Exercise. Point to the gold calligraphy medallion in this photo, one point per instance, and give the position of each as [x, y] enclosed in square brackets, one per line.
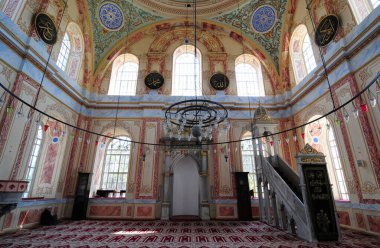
[45, 28]
[326, 30]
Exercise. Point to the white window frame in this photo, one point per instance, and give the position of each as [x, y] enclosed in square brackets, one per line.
[64, 52]
[116, 152]
[249, 78]
[187, 75]
[34, 160]
[125, 71]
[308, 54]
[249, 167]
[337, 165]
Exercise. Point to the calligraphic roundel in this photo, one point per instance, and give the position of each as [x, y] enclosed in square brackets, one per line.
[45, 28]
[326, 30]
[219, 81]
[154, 80]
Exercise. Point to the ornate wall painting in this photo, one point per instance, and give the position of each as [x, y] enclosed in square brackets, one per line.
[263, 19]
[111, 16]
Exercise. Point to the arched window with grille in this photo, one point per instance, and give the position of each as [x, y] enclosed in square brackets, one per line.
[116, 164]
[187, 71]
[249, 78]
[362, 8]
[321, 136]
[248, 163]
[301, 53]
[64, 52]
[33, 161]
[124, 75]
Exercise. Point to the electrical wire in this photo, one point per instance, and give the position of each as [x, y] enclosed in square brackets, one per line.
[187, 145]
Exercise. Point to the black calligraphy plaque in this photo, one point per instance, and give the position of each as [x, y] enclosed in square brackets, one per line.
[321, 202]
[219, 81]
[45, 28]
[154, 80]
[326, 30]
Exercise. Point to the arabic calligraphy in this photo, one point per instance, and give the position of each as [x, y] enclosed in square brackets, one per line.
[219, 81]
[154, 80]
[326, 30]
[45, 28]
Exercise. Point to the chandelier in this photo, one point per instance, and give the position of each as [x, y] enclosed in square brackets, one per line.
[196, 118]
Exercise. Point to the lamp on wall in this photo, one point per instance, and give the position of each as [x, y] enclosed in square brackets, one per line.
[199, 118]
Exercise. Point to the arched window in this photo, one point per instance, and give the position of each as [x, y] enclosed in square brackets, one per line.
[362, 8]
[321, 136]
[187, 71]
[308, 55]
[248, 163]
[116, 164]
[249, 78]
[335, 159]
[124, 75]
[301, 53]
[64, 53]
[33, 161]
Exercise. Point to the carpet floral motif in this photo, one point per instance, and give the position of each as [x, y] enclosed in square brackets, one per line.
[92, 233]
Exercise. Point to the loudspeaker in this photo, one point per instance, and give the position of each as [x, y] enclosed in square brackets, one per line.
[243, 196]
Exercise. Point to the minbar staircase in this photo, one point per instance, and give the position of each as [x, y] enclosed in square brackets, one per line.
[283, 201]
[286, 203]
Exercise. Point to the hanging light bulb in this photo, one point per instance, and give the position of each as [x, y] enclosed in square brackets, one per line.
[294, 137]
[372, 98]
[88, 141]
[363, 107]
[287, 139]
[337, 122]
[346, 116]
[190, 137]
[355, 111]
[279, 141]
[9, 109]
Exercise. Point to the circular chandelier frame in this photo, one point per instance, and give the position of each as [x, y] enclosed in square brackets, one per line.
[201, 112]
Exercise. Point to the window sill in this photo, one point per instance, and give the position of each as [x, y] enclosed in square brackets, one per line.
[33, 198]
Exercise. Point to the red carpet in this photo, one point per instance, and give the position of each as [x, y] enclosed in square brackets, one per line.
[104, 234]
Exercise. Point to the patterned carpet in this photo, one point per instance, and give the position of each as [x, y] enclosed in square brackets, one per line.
[162, 234]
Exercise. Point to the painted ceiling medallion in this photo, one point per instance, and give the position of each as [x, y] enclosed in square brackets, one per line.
[111, 16]
[263, 19]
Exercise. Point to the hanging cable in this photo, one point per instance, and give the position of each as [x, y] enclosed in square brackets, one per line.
[48, 60]
[187, 145]
[321, 54]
